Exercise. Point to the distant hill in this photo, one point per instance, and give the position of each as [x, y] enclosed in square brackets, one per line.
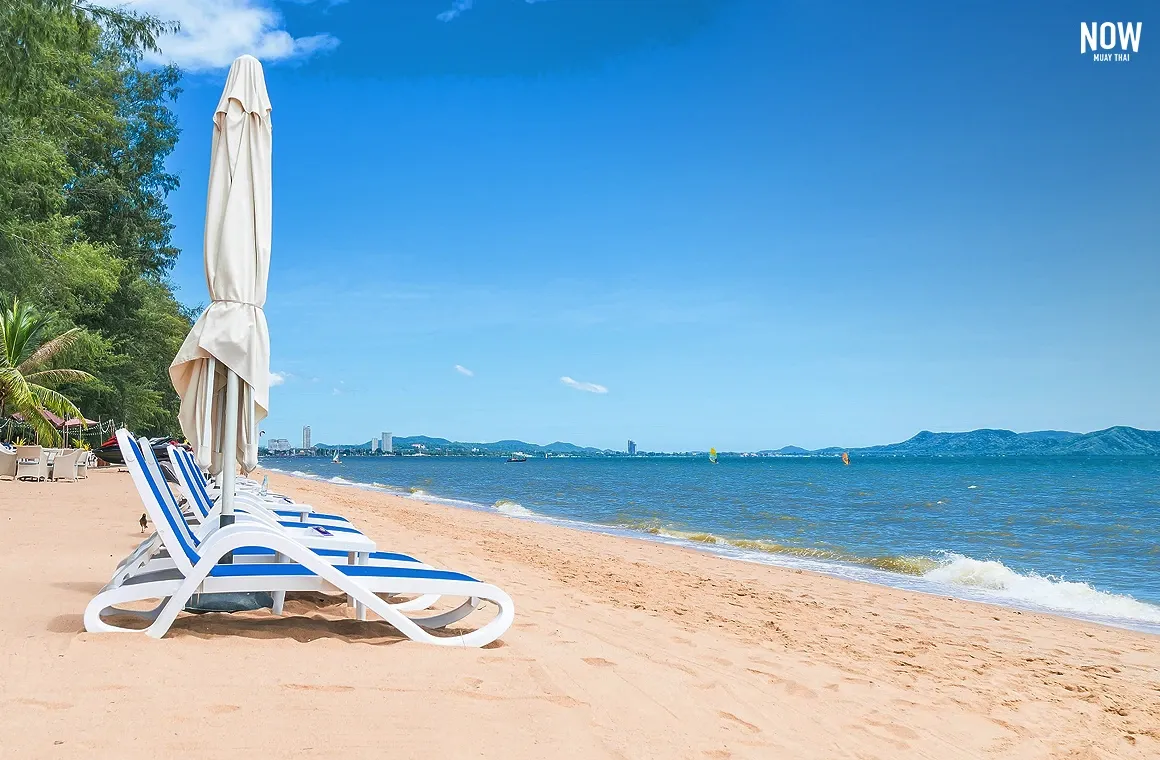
[1123, 441]
[1115, 440]
[786, 450]
[402, 443]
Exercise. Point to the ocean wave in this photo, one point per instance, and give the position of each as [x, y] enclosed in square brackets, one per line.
[341, 481]
[915, 566]
[417, 492]
[513, 509]
[998, 580]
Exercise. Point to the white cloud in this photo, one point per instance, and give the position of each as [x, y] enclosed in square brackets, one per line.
[459, 6]
[336, 392]
[277, 378]
[215, 32]
[464, 370]
[587, 387]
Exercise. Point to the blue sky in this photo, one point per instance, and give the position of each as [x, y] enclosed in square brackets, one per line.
[750, 223]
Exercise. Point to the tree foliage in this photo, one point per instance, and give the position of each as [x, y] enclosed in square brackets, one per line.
[84, 225]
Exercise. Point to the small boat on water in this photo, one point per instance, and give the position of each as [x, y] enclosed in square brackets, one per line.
[518, 457]
[336, 460]
[713, 455]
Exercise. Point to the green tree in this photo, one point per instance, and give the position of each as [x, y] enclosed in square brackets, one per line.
[84, 226]
[27, 357]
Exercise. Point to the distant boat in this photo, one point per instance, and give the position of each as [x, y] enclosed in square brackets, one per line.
[713, 455]
[518, 457]
[845, 458]
[336, 459]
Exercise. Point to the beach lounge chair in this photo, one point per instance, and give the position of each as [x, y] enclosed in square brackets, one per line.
[194, 485]
[336, 548]
[202, 522]
[31, 463]
[64, 465]
[83, 463]
[196, 570]
[204, 511]
[7, 463]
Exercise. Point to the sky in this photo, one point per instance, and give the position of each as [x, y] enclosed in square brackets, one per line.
[732, 223]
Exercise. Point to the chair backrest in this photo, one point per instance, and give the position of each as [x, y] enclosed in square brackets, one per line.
[29, 453]
[183, 467]
[7, 463]
[65, 465]
[159, 504]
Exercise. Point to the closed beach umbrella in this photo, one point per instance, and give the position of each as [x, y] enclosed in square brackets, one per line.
[222, 372]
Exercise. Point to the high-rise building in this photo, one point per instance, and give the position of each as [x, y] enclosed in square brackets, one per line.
[388, 443]
[305, 436]
[631, 447]
[374, 445]
[278, 445]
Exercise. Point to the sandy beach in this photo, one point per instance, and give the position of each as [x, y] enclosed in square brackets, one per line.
[620, 649]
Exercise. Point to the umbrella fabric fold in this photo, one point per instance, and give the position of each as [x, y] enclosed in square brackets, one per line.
[231, 334]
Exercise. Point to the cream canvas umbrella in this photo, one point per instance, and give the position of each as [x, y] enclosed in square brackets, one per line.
[222, 372]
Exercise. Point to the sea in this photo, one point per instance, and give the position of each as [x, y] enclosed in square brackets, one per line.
[1073, 536]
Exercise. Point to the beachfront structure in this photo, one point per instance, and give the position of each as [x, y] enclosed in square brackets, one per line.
[305, 436]
[374, 445]
[278, 445]
[631, 447]
[388, 443]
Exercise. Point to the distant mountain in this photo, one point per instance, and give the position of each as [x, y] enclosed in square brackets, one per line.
[1115, 440]
[403, 443]
[1123, 441]
[786, 450]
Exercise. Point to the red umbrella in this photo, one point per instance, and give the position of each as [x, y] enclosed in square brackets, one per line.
[52, 418]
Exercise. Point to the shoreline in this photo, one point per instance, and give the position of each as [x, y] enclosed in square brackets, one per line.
[863, 572]
[621, 648]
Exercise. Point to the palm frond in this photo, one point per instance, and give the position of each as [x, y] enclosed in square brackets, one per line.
[46, 434]
[50, 349]
[14, 390]
[59, 376]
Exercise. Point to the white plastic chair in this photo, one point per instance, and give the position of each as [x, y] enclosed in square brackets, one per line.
[64, 465]
[31, 463]
[7, 463]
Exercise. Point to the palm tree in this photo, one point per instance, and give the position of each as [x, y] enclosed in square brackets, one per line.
[24, 354]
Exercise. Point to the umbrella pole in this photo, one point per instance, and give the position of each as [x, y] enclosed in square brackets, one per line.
[229, 454]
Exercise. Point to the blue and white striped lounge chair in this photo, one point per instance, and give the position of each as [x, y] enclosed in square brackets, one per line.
[193, 486]
[196, 570]
[190, 476]
[339, 548]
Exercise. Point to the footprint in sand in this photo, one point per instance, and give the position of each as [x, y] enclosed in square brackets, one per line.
[738, 721]
[599, 662]
[44, 705]
[223, 709]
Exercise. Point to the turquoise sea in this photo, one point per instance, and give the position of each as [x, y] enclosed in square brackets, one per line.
[1077, 536]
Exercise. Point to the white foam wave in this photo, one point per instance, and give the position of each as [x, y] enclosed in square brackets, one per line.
[513, 509]
[343, 481]
[998, 580]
